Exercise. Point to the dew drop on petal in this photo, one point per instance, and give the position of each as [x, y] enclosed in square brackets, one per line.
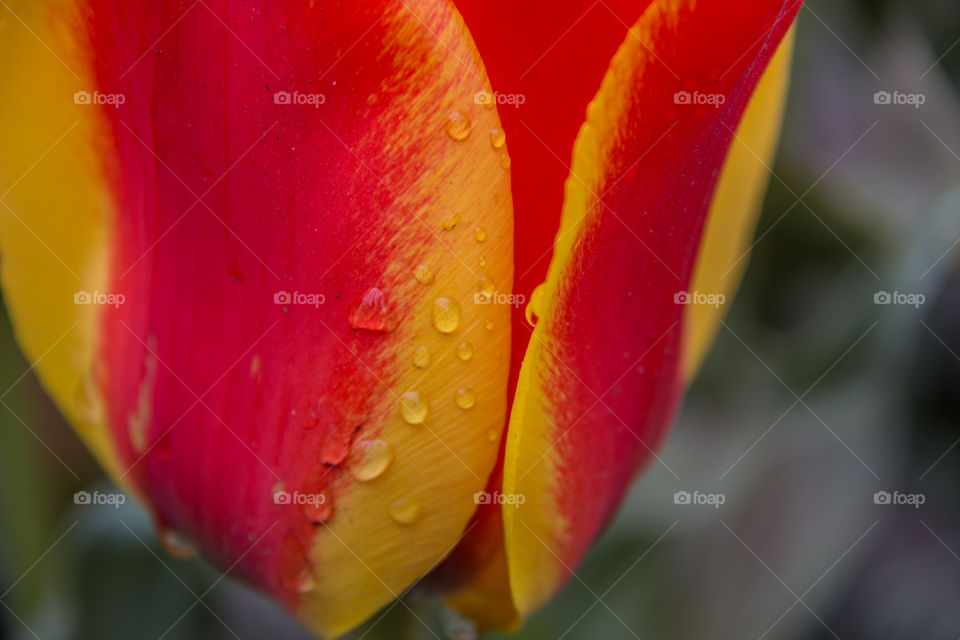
[492, 435]
[480, 234]
[458, 125]
[497, 138]
[85, 401]
[137, 432]
[487, 287]
[488, 325]
[405, 511]
[450, 221]
[534, 308]
[413, 407]
[504, 160]
[465, 398]
[421, 357]
[446, 315]
[304, 581]
[177, 544]
[318, 508]
[373, 313]
[370, 458]
[464, 350]
[423, 274]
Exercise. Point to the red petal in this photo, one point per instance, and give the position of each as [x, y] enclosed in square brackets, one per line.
[280, 172]
[601, 375]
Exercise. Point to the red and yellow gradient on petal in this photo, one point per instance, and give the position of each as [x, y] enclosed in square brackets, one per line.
[477, 569]
[55, 210]
[602, 371]
[263, 149]
[737, 202]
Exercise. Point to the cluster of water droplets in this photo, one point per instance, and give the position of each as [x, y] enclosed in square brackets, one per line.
[371, 458]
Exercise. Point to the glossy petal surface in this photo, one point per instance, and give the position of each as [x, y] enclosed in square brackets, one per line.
[602, 373]
[288, 197]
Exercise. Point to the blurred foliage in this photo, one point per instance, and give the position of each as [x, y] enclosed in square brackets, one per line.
[813, 399]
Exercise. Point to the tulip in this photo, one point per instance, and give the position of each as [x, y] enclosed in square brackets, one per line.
[347, 294]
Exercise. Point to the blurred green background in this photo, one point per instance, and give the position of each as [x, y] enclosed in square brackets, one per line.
[813, 399]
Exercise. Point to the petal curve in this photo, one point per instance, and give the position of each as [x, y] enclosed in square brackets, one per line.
[266, 154]
[601, 376]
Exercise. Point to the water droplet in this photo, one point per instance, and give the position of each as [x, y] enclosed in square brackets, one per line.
[370, 459]
[318, 508]
[483, 262]
[413, 407]
[488, 325]
[423, 274]
[85, 401]
[464, 350]
[492, 435]
[465, 398]
[305, 582]
[450, 221]
[405, 511]
[373, 313]
[177, 544]
[504, 160]
[497, 138]
[592, 111]
[534, 308]
[255, 365]
[480, 234]
[446, 315]
[138, 422]
[137, 432]
[421, 357]
[458, 125]
[487, 287]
